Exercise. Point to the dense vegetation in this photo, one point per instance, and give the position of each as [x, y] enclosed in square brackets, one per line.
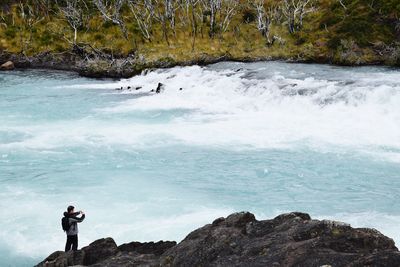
[339, 31]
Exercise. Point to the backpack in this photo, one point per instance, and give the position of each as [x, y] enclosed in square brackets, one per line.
[65, 224]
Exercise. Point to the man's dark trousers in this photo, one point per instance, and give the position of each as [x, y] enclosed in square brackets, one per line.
[72, 240]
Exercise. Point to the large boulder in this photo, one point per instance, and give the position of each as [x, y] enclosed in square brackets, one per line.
[99, 250]
[63, 259]
[292, 239]
[75, 257]
[9, 65]
[55, 259]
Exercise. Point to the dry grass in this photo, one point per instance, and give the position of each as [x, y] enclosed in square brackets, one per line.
[242, 40]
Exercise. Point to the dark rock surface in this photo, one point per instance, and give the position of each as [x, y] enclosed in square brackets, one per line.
[157, 248]
[291, 239]
[92, 66]
[99, 250]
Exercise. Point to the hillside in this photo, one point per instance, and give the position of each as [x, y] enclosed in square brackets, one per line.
[126, 36]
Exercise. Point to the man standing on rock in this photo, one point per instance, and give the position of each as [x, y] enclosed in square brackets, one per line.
[70, 226]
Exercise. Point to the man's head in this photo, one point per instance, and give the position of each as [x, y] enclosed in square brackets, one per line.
[70, 209]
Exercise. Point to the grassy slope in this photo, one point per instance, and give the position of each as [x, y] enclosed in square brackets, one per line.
[332, 33]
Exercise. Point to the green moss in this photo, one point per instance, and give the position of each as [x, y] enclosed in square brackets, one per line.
[168, 260]
[167, 60]
[58, 48]
[10, 32]
[308, 52]
[46, 38]
[108, 24]
[98, 37]
[336, 232]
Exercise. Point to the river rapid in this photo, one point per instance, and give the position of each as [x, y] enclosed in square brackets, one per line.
[266, 137]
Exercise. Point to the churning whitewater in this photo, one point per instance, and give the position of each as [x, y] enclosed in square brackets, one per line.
[267, 137]
[262, 106]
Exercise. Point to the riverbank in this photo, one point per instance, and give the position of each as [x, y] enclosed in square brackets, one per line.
[123, 40]
[292, 239]
[103, 68]
[126, 67]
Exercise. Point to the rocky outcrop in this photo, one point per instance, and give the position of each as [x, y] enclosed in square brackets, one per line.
[291, 239]
[104, 252]
[288, 240]
[9, 65]
[99, 251]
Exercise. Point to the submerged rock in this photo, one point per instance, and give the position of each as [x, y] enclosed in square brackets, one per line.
[160, 87]
[291, 239]
[9, 65]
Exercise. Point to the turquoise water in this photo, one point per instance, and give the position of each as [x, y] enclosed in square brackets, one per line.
[266, 137]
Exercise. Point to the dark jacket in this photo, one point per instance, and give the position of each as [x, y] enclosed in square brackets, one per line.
[73, 222]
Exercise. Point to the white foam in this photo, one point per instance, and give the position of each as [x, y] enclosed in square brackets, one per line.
[224, 108]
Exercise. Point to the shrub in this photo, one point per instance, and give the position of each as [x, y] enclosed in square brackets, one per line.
[46, 38]
[98, 37]
[248, 16]
[10, 32]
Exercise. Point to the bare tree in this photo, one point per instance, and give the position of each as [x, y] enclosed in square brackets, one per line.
[111, 11]
[294, 12]
[44, 6]
[190, 15]
[29, 17]
[220, 13]
[342, 4]
[164, 12]
[3, 20]
[212, 7]
[73, 13]
[196, 17]
[228, 10]
[262, 18]
[184, 14]
[170, 7]
[143, 13]
[147, 11]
